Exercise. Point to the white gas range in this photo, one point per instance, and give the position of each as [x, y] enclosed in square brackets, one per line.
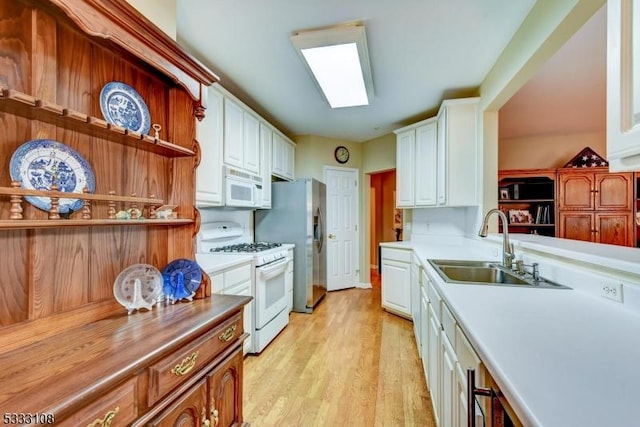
[223, 244]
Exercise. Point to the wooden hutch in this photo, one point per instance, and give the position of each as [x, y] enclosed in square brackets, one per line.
[71, 355]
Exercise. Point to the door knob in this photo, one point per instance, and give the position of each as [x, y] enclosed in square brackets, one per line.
[332, 236]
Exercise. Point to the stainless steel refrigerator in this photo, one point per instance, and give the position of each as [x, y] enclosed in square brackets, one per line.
[297, 215]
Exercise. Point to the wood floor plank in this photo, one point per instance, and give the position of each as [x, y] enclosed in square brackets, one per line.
[349, 363]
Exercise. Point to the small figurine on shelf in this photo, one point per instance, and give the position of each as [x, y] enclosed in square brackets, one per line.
[135, 213]
[123, 215]
[166, 212]
[156, 130]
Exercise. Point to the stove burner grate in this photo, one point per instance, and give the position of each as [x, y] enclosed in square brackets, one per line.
[247, 247]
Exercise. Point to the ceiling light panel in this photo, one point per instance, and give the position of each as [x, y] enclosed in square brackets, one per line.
[338, 60]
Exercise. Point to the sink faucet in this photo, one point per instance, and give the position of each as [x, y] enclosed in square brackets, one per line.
[507, 248]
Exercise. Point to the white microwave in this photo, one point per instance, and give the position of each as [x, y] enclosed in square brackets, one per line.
[242, 189]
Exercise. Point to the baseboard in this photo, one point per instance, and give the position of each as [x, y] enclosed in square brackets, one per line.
[364, 285]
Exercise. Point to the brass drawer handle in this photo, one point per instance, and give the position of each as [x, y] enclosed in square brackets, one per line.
[228, 334]
[106, 420]
[185, 366]
[214, 417]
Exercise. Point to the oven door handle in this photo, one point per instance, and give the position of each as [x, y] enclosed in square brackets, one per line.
[472, 392]
[272, 270]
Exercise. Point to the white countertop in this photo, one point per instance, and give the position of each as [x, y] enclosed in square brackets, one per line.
[211, 263]
[561, 357]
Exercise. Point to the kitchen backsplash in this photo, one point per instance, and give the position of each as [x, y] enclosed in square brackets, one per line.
[425, 224]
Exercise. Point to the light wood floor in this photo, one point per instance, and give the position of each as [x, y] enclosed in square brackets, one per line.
[349, 363]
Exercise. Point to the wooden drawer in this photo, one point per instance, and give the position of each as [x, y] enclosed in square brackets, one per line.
[119, 406]
[173, 370]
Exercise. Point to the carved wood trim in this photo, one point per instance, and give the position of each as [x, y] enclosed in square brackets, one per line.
[122, 24]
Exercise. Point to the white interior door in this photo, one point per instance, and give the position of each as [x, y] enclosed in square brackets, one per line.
[342, 227]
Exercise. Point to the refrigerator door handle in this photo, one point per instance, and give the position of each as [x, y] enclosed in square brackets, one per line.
[321, 226]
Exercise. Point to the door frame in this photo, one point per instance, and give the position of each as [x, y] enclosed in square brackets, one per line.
[327, 168]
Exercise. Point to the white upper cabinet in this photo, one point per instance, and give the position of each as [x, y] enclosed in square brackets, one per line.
[623, 85]
[416, 164]
[209, 134]
[266, 144]
[283, 157]
[458, 152]
[241, 137]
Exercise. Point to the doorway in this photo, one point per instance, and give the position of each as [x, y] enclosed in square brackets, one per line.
[384, 219]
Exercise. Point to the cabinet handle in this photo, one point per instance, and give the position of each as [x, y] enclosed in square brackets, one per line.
[205, 421]
[186, 365]
[214, 417]
[228, 334]
[472, 391]
[106, 420]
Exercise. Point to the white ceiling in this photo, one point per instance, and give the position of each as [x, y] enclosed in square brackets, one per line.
[568, 94]
[421, 52]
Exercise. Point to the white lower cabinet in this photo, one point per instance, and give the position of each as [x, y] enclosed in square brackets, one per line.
[396, 281]
[238, 280]
[424, 326]
[449, 355]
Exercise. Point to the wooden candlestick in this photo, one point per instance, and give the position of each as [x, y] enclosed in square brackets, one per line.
[134, 208]
[16, 203]
[152, 209]
[55, 201]
[111, 211]
[86, 206]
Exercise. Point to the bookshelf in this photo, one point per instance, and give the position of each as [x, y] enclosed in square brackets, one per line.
[528, 199]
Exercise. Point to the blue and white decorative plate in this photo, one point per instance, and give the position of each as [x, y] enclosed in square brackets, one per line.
[39, 163]
[182, 278]
[121, 105]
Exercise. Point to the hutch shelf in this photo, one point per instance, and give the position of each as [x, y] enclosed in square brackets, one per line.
[176, 364]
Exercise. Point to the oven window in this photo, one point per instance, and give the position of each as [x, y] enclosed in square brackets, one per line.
[274, 290]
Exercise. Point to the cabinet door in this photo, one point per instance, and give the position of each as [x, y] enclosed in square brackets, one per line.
[441, 181]
[623, 100]
[613, 191]
[278, 155]
[576, 225]
[615, 228]
[424, 331]
[448, 383]
[576, 191]
[251, 143]
[210, 136]
[189, 410]
[405, 161]
[266, 144]
[233, 134]
[225, 392]
[289, 160]
[434, 362]
[396, 292]
[426, 164]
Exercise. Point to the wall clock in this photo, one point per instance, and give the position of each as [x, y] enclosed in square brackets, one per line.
[341, 154]
[40, 163]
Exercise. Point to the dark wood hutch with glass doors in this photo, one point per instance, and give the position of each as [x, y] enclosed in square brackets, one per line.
[70, 354]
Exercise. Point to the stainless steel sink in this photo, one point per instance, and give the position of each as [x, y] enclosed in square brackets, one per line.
[486, 273]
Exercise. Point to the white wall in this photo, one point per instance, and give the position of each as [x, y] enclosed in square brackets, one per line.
[161, 12]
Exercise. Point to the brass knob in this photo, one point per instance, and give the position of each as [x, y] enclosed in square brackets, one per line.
[214, 417]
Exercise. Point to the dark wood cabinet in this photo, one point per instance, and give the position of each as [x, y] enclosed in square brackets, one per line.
[225, 392]
[189, 410]
[594, 190]
[596, 206]
[527, 197]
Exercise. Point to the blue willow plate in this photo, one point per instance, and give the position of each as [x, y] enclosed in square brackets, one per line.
[121, 105]
[40, 163]
[182, 278]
